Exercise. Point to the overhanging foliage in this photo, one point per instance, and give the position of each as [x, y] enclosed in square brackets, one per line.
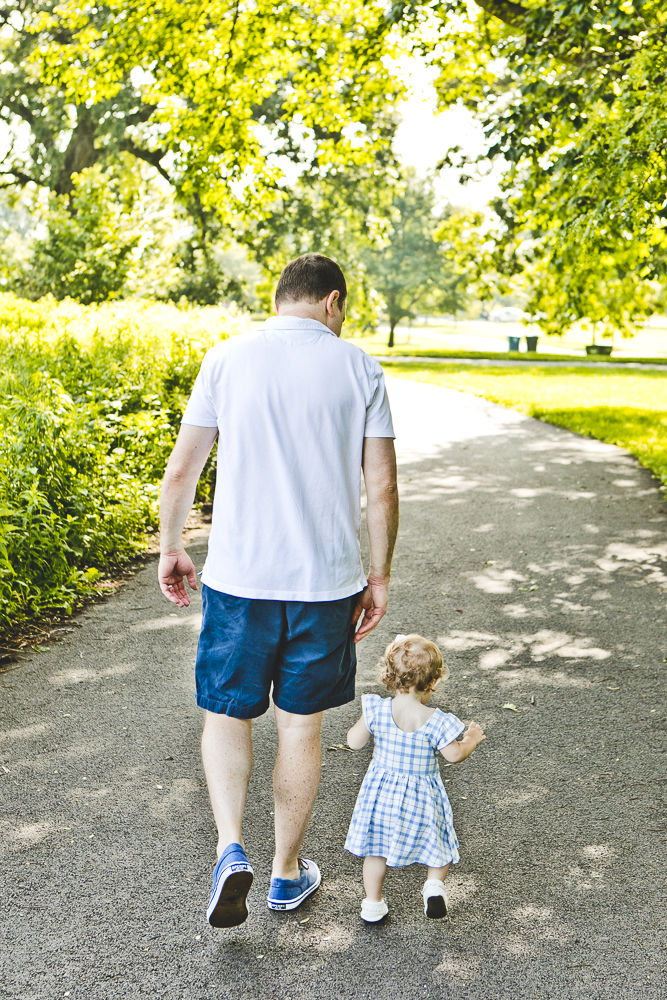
[219, 96]
[572, 97]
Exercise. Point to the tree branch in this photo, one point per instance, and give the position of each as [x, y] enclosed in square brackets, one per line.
[513, 14]
[505, 10]
[127, 146]
[142, 114]
[231, 37]
[20, 178]
[20, 110]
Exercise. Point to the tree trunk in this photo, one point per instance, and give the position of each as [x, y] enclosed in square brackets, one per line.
[392, 327]
[80, 152]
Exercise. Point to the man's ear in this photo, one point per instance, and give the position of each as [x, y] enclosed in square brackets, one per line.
[329, 304]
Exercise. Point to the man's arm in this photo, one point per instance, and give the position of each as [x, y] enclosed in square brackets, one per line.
[379, 467]
[192, 448]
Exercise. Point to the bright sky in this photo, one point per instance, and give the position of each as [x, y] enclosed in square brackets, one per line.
[424, 137]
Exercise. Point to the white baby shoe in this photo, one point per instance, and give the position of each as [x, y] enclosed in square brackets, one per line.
[436, 903]
[371, 912]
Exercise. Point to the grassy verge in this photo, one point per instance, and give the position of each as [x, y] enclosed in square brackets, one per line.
[565, 359]
[628, 409]
[421, 346]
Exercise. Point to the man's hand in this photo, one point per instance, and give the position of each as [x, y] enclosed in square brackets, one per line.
[372, 603]
[192, 448]
[379, 467]
[174, 568]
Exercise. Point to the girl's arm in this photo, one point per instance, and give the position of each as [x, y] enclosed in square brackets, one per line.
[358, 736]
[456, 751]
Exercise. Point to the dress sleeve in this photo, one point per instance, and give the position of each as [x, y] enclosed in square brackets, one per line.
[450, 729]
[369, 706]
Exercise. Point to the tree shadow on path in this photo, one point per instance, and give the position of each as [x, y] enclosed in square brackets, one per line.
[537, 560]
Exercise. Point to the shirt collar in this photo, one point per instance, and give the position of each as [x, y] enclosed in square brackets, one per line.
[297, 323]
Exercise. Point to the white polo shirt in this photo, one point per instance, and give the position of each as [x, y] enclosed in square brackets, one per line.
[293, 404]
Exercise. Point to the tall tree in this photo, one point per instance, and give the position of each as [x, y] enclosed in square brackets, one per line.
[227, 102]
[339, 214]
[572, 97]
[216, 95]
[415, 263]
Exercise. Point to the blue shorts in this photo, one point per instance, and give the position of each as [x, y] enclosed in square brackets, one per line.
[305, 649]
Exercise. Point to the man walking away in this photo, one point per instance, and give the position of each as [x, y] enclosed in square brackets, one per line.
[297, 413]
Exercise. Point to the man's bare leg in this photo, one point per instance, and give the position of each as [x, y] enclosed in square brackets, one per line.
[296, 778]
[226, 750]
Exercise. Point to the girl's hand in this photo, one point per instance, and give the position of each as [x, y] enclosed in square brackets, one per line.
[475, 733]
[459, 750]
[358, 736]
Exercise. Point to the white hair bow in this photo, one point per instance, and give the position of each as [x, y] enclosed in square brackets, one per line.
[399, 637]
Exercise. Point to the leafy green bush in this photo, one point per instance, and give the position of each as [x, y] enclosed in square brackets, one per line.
[90, 405]
[88, 250]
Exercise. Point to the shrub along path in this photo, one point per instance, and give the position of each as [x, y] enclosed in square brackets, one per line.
[536, 558]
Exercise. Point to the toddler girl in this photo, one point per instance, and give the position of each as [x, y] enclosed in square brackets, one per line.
[403, 816]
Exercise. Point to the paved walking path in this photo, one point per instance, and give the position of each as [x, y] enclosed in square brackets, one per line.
[537, 560]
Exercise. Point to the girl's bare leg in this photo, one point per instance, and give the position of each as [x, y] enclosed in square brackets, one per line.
[375, 870]
[439, 873]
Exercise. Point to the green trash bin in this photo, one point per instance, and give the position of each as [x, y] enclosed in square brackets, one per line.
[531, 343]
[513, 343]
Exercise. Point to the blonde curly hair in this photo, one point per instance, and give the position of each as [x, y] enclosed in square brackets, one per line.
[411, 661]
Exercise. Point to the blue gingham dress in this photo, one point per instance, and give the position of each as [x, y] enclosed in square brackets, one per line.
[402, 811]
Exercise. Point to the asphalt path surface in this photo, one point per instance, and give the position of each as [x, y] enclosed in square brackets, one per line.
[536, 558]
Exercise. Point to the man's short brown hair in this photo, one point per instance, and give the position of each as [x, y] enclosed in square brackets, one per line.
[310, 278]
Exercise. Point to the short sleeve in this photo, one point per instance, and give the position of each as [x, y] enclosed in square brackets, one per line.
[369, 706]
[200, 409]
[378, 412]
[450, 729]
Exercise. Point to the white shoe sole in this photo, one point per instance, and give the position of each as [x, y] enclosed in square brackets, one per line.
[372, 911]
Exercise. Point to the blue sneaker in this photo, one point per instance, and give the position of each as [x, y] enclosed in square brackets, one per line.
[232, 878]
[288, 893]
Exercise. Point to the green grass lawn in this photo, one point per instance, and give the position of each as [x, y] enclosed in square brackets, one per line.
[401, 352]
[422, 346]
[624, 408]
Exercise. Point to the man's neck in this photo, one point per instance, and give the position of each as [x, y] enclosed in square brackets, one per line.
[304, 310]
[312, 310]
